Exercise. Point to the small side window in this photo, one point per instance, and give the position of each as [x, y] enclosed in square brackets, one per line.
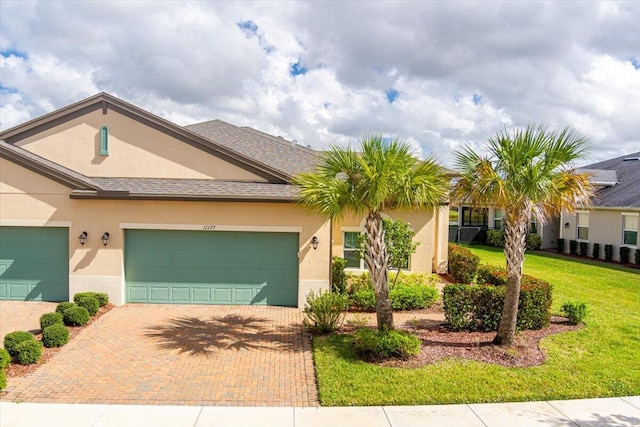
[104, 141]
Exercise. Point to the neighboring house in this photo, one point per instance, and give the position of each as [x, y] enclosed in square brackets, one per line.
[613, 217]
[467, 222]
[104, 196]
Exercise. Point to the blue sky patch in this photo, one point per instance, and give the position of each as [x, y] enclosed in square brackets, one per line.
[477, 98]
[249, 27]
[635, 62]
[298, 69]
[392, 95]
[13, 52]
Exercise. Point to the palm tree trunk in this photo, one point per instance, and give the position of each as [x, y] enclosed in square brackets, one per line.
[377, 263]
[515, 245]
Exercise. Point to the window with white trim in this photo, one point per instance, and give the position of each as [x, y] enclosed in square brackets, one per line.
[350, 244]
[630, 229]
[583, 226]
[498, 221]
[533, 226]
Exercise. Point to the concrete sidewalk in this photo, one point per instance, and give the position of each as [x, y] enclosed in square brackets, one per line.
[623, 411]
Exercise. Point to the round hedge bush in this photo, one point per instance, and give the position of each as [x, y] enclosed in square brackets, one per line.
[372, 344]
[55, 335]
[88, 302]
[28, 352]
[5, 358]
[3, 380]
[60, 308]
[103, 299]
[75, 316]
[12, 339]
[49, 319]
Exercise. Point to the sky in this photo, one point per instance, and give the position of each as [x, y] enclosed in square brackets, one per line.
[440, 75]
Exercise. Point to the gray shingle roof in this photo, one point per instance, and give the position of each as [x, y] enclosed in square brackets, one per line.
[626, 193]
[197, 189]
[275, 152]
[600, 176]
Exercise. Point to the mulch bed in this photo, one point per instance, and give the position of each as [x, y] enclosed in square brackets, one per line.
[441, 342]
[17, 370]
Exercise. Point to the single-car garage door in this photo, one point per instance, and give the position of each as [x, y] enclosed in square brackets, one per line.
[34, 263]
[211, 267]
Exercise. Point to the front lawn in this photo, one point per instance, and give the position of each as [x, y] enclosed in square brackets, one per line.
[600, 360]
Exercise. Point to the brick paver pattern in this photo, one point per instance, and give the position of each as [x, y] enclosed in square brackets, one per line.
[22, 316]
[181, 355]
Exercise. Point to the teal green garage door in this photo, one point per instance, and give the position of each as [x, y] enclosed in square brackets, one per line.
[211, 267]
[34, 264]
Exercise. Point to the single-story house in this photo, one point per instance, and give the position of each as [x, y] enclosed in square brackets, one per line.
[613, 216]
[104, 196]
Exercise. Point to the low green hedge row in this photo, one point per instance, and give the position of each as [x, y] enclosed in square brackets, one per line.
[497, 238]
[479, 307]
[403, 297]
[373, 344]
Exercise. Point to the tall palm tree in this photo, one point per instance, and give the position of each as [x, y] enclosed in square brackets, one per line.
[382, 176]
[526, 173]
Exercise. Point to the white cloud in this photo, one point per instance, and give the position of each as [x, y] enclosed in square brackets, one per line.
[561, 63]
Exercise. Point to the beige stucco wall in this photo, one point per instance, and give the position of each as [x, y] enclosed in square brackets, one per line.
[426, 224]
[27, 198]
[605, 228]
[135, 150]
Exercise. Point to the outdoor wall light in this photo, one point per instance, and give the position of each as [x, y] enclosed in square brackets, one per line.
[566, 225]
[314, 243]
[105, 238]
[83, 237]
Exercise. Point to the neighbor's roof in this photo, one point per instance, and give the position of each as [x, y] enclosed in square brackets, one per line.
[625, 193]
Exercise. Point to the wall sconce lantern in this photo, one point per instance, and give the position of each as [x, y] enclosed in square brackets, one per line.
[83, 237]
[105, 238]
[566, 225]
[314, 243]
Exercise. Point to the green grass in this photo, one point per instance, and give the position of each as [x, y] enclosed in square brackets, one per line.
[601, 360]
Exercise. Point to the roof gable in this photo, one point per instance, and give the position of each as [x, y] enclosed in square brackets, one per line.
[106, 102]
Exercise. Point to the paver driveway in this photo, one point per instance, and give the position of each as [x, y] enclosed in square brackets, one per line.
[181, 355]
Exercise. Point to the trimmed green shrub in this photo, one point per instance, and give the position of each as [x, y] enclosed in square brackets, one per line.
[12, 339]
[479, 307]
[495, 238]
[560, 246]
[372, 344]
[364, 299]
[534, 242]
[324, 312]
[637, 256]
[338, 275]
[3, 380]
[491, 275]
[574, 311]
[5, 358]
[624, 254]
[608, 252]
[595, 253]
[88, 302]
[49, 319]
[28, 352]
[412, 297]
[55, 335]
[103, 299]
[463, 264]
[584, 249]
[573, 247]
[75, 316]
[60, 308]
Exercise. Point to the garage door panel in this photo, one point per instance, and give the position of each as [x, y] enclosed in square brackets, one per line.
[217, 267]
[34, 263]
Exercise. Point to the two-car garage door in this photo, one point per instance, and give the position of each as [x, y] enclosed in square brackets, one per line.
[211, 267]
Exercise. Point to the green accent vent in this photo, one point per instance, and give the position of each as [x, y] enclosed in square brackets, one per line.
[104, 141]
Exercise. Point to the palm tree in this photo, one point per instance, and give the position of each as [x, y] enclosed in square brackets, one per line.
[526, 173]
[383, 176]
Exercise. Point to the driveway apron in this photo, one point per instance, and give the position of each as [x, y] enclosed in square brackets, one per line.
[181, 355]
